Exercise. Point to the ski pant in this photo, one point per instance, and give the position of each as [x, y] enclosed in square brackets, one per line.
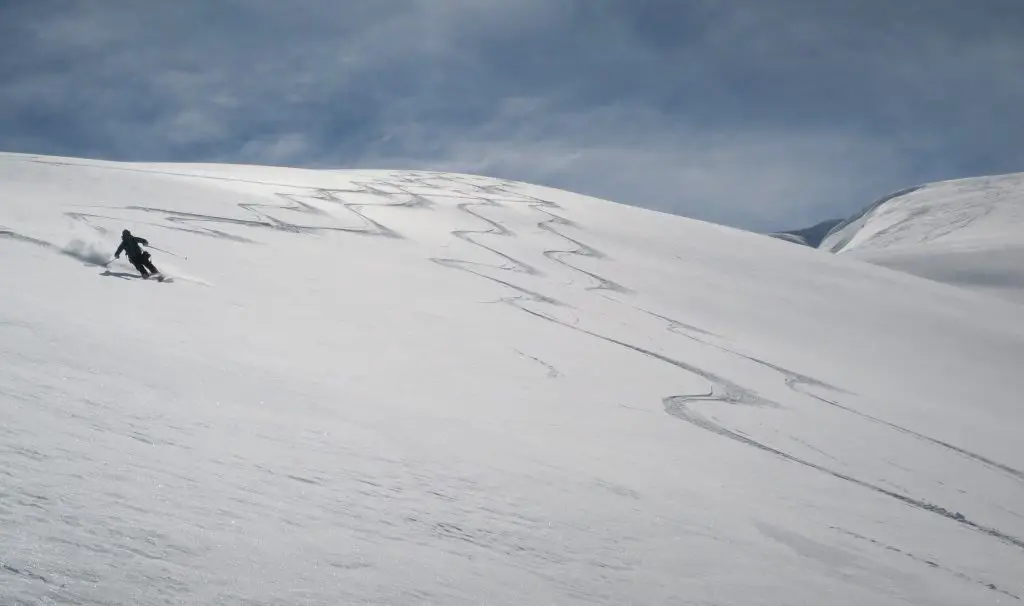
[145, 266]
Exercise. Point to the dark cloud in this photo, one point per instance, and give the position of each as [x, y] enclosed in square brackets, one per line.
[760, 114]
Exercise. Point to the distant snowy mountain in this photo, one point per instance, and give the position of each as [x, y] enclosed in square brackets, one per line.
[810, 236]
[409, 387]
[967, 232]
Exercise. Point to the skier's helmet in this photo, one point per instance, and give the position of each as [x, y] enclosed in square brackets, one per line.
[125, 233]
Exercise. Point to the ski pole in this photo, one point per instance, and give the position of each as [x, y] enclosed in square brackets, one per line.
[167, 251]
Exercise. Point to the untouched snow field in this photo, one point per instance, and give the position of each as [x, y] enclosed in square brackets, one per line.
[967, 232]
[395, 387]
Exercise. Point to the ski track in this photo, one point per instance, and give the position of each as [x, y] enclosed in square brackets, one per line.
[496, 229]
[930, 563]
[417, 187]
[581, 250]
[85, 218]
[799, 383]
[553, 373]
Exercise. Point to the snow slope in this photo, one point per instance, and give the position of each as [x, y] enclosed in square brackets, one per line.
[410, 387]
[968, 232]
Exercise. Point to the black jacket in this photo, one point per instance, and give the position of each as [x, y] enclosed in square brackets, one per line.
[130, 246]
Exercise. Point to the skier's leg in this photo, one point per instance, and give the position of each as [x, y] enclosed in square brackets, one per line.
[140, 266]
[152, 268]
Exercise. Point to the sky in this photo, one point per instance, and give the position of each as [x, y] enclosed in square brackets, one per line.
[761, 114]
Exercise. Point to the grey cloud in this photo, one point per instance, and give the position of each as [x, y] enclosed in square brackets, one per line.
[759, 114]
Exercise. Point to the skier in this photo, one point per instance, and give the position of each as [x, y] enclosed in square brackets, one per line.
[138, 257]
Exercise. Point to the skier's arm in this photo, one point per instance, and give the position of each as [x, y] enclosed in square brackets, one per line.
[120, 249]
[142, 241]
